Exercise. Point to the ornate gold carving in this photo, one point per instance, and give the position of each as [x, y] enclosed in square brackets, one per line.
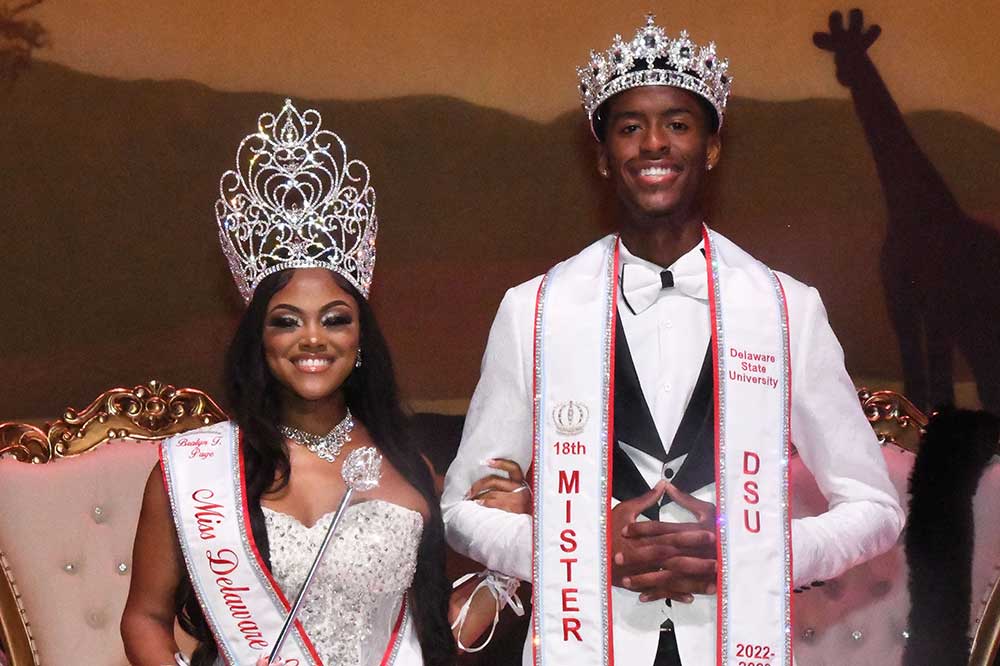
[895, 419]
[15, 632]
[26, 443]
[148, 411]
[986, 640]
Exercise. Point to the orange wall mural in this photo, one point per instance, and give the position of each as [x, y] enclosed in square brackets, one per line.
[113, 140]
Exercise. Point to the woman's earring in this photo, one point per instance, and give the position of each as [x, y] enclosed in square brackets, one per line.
[603, 172]
[357, 360]
[708, 167]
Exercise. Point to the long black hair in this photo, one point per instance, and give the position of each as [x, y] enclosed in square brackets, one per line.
[372, 395]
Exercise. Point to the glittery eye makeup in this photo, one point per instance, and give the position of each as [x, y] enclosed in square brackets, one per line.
[337, 319]
[284, 321]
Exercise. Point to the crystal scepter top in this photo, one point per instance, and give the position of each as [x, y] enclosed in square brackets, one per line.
[363, 468]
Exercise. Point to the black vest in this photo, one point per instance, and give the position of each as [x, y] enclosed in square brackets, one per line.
[634, 426]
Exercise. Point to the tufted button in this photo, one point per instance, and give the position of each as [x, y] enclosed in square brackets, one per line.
[833, 589]
[808, 634]
[122, 568]
[69, 568]
[96, 619]
[857, 635]
[880, 588]
[98, 514]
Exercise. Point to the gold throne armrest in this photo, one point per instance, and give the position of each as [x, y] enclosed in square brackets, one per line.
[986, 639]
[898, 421]
[149, 411]
[894, 418]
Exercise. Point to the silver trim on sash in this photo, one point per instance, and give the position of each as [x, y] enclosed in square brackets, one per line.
[538, 453]
[403, 626]
[720, 454]
[785, 479]
[610, 302]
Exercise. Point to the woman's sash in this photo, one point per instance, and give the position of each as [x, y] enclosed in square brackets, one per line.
[573, 425]
[204, 474]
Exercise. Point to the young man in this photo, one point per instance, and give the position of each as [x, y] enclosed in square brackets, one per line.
[655, 382]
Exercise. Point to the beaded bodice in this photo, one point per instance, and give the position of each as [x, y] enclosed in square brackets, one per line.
[353, 604]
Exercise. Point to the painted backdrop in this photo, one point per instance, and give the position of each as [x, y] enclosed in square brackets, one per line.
[113, 138]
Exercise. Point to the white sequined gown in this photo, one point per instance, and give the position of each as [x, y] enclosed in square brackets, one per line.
[354, 601]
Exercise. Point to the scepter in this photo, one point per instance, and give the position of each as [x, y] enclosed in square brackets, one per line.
[361, 471]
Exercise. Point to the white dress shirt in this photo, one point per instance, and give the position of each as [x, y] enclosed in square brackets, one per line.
[668, 342]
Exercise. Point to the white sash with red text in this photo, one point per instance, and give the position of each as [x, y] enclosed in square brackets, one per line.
[573, 365]
[245, 608]
[573, 425]
[752, 362]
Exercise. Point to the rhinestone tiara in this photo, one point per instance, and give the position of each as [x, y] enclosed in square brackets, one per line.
[295, 200]
[653, 59]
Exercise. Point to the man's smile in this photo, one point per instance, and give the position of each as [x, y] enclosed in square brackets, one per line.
[657, 175]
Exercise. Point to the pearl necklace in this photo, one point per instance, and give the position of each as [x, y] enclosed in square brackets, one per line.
[326, 446]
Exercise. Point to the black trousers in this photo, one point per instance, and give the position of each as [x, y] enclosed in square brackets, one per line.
[666, 651]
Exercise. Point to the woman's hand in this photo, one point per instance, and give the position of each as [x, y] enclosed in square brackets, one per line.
[511, 494]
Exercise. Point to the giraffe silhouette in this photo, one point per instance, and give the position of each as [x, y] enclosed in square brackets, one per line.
[937, 263]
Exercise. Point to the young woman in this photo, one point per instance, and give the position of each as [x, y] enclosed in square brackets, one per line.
[234, 514]
[291, 372]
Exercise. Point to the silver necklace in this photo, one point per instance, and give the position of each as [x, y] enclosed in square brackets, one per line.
[326, 446]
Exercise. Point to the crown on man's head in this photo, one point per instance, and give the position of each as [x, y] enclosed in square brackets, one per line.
[653, 59]
[294, 200]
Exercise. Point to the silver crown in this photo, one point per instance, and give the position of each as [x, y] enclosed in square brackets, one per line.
[570, 417]
[653, 59]
[294, 200]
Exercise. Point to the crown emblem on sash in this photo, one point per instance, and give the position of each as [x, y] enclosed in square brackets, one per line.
[570, 417]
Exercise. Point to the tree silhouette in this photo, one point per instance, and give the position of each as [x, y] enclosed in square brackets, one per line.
[19, 37]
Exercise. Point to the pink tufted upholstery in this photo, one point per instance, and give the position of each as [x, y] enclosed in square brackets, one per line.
[67, 523]
[860, 617]
[66, 528]
[48, 521]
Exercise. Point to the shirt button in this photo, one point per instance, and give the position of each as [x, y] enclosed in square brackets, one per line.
[668, 324]
[667, 388]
